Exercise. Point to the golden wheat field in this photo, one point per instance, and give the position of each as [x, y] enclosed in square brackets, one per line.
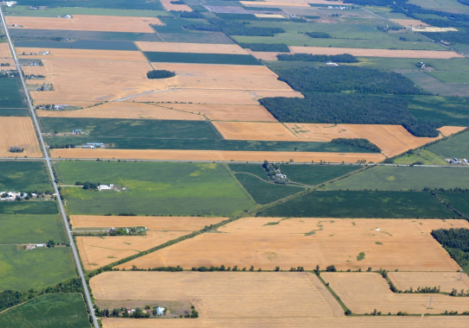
[255, 131]
[86, 23]
[5, 51]
[232, 49]
[362, 292]
[269, 242]
[169, 6]
[409, 22]
[225, 294]
[445, 280]
[18, 132]
[83, 54]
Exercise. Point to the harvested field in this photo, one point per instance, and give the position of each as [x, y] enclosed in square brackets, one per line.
[84, 54]
[86, 23]
[435, 29]
[449, 130]
[273, 4]
[326, 2]
[212, 293]
[8, 61]
[391, 139]
[215, 155]
[445, 280]
[124, 110]
[174, 7]
[5, 50]
[255, 131]
[160, 223]
[409, 22]
[403, 244]
[268, 16]
[365, 291]
[96, 252]
[232, 49]
[349, 322]
[18, 132]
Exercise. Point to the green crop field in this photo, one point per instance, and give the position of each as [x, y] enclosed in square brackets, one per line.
[452, 64]
[451, 77]
[111, 4]
[48, 311]
[81, 44]
[392, 178]
[316, 174]
[57, 11]
[431, 84]
[37, 268]
[457, 200]
[196, 58]
[29, 207]
[24, 176]
[37, 229]
[362, 204]
[11, 95]
[153, 188]
[420, 156]
[455, 146]
[442, 5]
[14, 112]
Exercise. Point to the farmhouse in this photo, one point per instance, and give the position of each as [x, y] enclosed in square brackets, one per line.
[106, 187]
[332, 64]
[160, 310]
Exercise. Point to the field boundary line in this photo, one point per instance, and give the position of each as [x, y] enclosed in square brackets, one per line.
[51, 173]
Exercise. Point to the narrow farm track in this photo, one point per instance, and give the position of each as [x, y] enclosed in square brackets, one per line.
[49, 167]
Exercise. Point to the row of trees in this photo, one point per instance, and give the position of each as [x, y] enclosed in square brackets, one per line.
[234, 28]
[266, 47]
[160, 74]
[358, 143]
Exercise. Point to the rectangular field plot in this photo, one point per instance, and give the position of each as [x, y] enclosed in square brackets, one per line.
[12, 96]
[58, 11]
[80, 44]
[258, 295]
[435, 86]
[363, 292]
[444, 110]
[36, 229]
[5, 51]
[173, 47]
[86, 23]
[110, 4]
[18, 132]
[24, 176]
[403, 178]
[29, 207]
[364, 204]
[153, 188]
[84, 54]
[37, 268]
[446, 281]
[456, 200]
[453, 147]
[270, 242]
[201, 58]
[451, 77]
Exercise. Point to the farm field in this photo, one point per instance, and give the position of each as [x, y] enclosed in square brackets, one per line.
[201, 58]
[456, 200]
[115, 4]
[212, 293]
[18, 132]
[451, 77]
[92, 40]
[435, 86]
[421, 155]
[86, 23]
[37, 268]
[349, 286]
[173, 47]
[391, 178]
[5, 51]
[455, 146]
[254, 131]
[442, 110]
[24, 176]
[83, 54]
[153, 188]
[29, 207]
[58, 11]
[364, 204]
[269, 242]
[445, 280]
[170, 6]
[63, 310]
[35, 229]
[12, 98]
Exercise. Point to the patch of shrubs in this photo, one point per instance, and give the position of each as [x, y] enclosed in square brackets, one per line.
[160, 74]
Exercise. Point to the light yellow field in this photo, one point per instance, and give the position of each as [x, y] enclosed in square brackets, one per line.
[268, 16]
[365, 291]
[255, 131]
[124, 110]
[409, 22]
[445, 280]
[174, 7]
[159, 223]
[5, 50]
[191, 47]
[435, 29]
[449, 130]
[225, 294]
[84, 54]
[18, 132]
[273, 4]
[7, 61]
[86, 23]
[399, 244]
[217, 155]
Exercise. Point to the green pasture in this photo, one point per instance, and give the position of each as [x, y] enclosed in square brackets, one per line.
[80, 44]
[455, 146]
[153, 188]
[83, 39]
[316, 174]
[451, 77]
[392, 178]
[37, 268]
[61, 11]
[48, 311]
[420, 156]
[361, 204]
[452, 64]
[452, 6]
[108, 4]
[443, 110]
[22, 229]
[14, 112]
[457, 200]
[431, 84]
[11, 95]
[196, 58]
[29, 207]
[24, 176]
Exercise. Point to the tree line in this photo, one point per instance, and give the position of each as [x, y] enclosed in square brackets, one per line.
[266, 47]
[357, 142]
[234, 28]
[456, 243]
[160, 74]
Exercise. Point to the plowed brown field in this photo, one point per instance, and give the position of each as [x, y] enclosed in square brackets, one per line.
[191, 47]
[18, 132]
[365, 291]
[216, 155]
[255, 131]
[84, 54]
[125, 110]
[399, 244]
[225, 294]
[86, 23]
[174, 7]
[445, 280]
[5, 51]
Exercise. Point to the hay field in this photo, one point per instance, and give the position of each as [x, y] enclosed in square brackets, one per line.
[124, 110]
[268, 16]
[161, 223]
[403, 244]
[255, 131]
[225, 294]
[409, 22]
[84, 54]
[18, 132]
[232, 49]
[349, 322]
[216, 155]
[174, 7]
[273, 4]
[449, 130]
[434, 29]
[363, 292]
[445, 280]
[391, 139]
[86, 23]
[5, 50]
[96, 252]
